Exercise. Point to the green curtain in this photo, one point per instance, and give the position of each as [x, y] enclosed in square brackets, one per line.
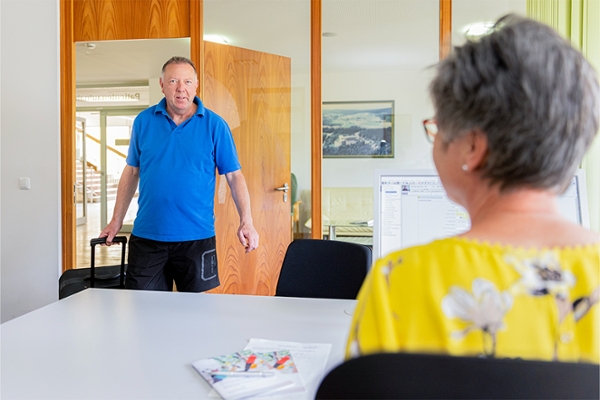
[579, 22]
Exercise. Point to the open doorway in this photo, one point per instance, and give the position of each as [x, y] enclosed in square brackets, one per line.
[115, 81]
[103, 143]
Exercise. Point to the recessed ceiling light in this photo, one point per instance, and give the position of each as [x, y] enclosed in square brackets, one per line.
[329, 34]
[216, 38]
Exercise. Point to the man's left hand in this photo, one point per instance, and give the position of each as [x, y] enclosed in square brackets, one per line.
[248, 237]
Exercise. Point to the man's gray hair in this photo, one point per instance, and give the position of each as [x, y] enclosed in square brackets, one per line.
[530, 92]
[178, 60]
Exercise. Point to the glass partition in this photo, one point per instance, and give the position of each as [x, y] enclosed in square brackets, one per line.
[376, 68]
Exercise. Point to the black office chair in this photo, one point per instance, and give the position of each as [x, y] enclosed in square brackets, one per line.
[323, 269]
[418, 376]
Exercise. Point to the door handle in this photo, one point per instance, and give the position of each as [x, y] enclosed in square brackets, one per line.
[284, 189]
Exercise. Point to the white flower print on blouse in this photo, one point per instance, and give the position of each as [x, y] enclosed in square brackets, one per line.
[542, 275]
[485, 309]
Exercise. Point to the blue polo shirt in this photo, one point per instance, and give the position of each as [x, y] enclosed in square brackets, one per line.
[177, 172]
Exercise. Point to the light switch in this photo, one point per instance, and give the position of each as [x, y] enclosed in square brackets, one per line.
[24, 184]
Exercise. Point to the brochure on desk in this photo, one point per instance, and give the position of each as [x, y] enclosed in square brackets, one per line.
[310, 359]
[248, 373]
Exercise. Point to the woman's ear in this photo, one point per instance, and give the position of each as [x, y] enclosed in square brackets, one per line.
[476, 149]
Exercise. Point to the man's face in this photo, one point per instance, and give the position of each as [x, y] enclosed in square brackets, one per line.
[179, 84]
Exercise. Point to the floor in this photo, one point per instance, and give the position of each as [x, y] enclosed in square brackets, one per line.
[91, 229]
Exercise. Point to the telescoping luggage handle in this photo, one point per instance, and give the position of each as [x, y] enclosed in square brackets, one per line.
[97, 241]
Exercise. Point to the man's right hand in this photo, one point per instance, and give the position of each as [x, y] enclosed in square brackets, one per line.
[111, 230]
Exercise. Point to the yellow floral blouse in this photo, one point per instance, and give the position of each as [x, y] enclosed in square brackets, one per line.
[461, 297]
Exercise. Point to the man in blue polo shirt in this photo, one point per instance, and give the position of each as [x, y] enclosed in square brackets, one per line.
[175, 148]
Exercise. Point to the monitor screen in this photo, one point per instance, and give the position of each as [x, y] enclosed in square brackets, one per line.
[411, 208]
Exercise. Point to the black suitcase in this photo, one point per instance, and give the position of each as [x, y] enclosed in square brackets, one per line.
[76, 280]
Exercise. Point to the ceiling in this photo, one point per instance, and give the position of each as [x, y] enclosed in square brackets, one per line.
[370, 35]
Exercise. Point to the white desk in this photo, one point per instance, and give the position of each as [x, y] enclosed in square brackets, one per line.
[121, 344]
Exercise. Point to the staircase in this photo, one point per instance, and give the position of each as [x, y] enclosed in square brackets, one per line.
[92, 184]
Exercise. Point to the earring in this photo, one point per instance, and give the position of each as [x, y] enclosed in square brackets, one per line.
[465, 167]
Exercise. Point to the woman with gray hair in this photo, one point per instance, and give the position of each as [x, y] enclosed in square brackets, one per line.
[515, 113]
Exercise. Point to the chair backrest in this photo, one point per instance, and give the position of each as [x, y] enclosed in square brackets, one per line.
[418, 376]
[323, 269]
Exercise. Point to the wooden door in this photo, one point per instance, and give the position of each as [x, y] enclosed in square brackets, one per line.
[252, 92]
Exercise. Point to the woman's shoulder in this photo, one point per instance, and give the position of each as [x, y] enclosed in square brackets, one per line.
[442, 249]
[449, 250]
[532, 231]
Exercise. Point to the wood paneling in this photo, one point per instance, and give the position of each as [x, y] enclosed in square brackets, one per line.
[445, 28]
[67, 133]
[252, 92]
[316, 116]
[196, 41]
[131, 19]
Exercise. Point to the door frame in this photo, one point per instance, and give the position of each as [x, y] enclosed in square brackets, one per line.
[96, 21]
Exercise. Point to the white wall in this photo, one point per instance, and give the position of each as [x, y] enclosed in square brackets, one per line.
[408, 89]
[156, 94]
[30, 134]
[300, 137]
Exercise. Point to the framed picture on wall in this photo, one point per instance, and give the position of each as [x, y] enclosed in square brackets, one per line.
[358, 129]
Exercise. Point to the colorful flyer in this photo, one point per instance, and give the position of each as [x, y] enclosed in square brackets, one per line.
[246, 373]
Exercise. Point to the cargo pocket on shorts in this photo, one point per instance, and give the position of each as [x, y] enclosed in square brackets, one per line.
[209, 265]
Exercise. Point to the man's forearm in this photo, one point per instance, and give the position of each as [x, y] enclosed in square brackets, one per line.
[241, 197]
[125, 191]
[246, 233]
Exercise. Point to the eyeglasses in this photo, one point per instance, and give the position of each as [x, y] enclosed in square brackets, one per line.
[431, 129]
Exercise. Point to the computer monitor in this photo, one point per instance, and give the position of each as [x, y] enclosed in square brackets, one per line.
[411, 208]
[573, 203]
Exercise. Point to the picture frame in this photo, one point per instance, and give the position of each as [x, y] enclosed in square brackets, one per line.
[358, 129]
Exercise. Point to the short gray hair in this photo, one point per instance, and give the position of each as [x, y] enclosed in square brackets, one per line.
[178, 60]
[530, 92]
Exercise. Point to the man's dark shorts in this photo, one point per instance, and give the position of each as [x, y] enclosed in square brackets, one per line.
[154, 265]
